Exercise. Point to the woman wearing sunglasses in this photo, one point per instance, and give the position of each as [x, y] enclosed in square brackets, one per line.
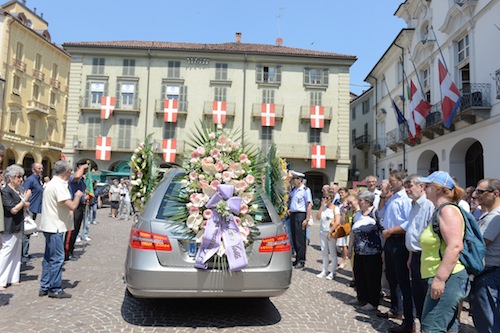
[329, 216]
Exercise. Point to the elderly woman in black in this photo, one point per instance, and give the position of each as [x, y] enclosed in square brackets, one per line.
[14, 203]
[366, 242]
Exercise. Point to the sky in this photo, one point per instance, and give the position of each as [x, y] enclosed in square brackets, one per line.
[363, 28]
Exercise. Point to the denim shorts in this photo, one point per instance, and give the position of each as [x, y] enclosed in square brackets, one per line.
[441, 315]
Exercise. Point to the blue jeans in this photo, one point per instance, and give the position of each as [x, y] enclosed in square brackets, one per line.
[485, 302]
[53, 260]
[398, 275]
[441, 315]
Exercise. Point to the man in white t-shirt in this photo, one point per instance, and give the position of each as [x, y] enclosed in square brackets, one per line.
[57, 218]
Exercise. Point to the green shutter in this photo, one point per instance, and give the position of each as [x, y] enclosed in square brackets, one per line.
[278, 74]
[258, 73]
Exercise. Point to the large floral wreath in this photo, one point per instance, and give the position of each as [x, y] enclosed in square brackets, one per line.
[220, 193]
[219, 190]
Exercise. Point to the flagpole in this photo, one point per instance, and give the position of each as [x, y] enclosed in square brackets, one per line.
[439, 47]
[418, 79]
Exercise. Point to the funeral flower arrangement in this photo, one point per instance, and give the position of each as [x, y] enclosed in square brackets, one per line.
[144, 173]
[221, 183]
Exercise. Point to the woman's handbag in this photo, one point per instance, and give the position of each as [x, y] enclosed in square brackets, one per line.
[342, 231]
[29, 225]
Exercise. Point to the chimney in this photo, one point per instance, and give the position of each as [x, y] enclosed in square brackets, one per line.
[238, 37]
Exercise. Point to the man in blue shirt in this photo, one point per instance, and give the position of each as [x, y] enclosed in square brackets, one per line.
[395, 221]
[299, 210]
[76, 183]
[35, 184]
[420, 215]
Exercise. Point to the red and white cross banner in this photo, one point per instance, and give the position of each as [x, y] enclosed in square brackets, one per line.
[103, 148]
[318, 157]
[169, 150]
[268, 115]
[107, 106]
[170, 108]
[317, 116]
[219, 112]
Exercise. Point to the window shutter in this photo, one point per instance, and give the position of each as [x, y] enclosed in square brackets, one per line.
[118, 93]
[88, 93]
[183, 98]
[325, 76]
[278, 74]
[258, 73]
[306, 76]
[163, 93]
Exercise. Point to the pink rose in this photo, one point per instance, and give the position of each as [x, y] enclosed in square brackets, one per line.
[237, 220]
[250, 179]
[240, 186]
[207, 214]
[219, 166]
[195, 155]
[193, 176]
[200, 150]
[215, 153]
[194, 210]
[236, 169]
[211, 136]
[226, 176]
[244, 209]
[214, 183]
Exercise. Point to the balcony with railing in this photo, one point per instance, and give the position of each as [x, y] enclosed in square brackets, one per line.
[55, 83]
[39, 75]
[394, 138]
[182, 107]
[362, 142]
[475, 102]
[35, 107]
[18, 64]
[128, 106]
[378, 147]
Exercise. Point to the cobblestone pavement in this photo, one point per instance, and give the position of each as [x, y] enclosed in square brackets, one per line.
[100, 303]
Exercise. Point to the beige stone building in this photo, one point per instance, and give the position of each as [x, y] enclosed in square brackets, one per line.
[33, 88]
[140, 75]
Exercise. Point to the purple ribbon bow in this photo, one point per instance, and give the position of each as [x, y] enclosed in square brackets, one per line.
[223, 228]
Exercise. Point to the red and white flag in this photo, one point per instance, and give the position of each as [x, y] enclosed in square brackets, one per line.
[268, 115]
[169, 150]
[170, 108]
[419, 109]
[103, 148]
[219, 112]
[317, 116]
[107, 106]
[318, 157]
[450, 96]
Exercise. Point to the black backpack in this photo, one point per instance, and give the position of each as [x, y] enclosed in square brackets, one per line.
[472, 255]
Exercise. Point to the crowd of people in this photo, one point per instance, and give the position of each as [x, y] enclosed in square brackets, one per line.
[65, 206]
[393, 242]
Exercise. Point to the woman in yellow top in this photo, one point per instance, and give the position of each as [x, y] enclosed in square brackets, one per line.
[447, 278]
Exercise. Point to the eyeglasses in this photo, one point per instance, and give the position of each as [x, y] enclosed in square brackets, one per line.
[480, 192]
[327, 198]
[19, 176]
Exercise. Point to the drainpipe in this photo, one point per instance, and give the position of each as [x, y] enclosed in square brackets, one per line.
[376, 127]
[147, 94]
[244, 101]
[5, 79]
[403, 88]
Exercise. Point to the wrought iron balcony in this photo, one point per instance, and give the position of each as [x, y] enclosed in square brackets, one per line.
[378, 147]
[393, 138]
[362, 142]
[475, 102]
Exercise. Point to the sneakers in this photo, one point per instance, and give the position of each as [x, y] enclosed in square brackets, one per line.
[93, 222]
[87, 239]
[330, 276]
[321, 275]
[59, 294]
[43, 293]
[78, 239]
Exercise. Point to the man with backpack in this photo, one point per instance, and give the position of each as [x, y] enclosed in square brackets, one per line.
[485, 300]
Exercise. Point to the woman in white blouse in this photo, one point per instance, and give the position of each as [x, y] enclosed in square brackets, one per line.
[329, 216]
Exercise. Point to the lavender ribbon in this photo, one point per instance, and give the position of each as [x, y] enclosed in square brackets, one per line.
[223, 228]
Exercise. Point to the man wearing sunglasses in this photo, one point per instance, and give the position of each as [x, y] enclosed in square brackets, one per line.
[486, 293]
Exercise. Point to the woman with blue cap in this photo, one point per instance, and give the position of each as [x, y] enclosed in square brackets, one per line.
[447, 277]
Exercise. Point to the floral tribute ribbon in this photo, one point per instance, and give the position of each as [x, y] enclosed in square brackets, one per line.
[222, 226]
